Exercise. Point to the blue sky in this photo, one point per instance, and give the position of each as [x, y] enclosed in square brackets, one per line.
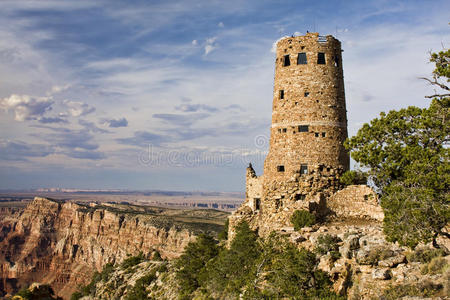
[177, 95]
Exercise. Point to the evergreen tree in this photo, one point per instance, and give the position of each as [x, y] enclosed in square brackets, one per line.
[407, 156]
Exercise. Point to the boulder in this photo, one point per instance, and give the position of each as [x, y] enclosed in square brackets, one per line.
[381, 274]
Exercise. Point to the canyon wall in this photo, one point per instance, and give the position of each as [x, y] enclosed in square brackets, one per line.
[62, 244]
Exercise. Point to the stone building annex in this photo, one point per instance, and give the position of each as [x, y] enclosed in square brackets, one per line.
[306, 154]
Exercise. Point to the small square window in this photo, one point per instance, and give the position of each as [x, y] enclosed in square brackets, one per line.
[301, 59]
[303, 128]
[306, 94]
[281, 94]
[304, 169]
[286, 61]
[323, 134]
[280, 168]
[316, 134]
[279, 130]
[321, 58]
[284, 129]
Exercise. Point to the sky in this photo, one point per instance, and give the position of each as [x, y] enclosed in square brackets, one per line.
[177, 95]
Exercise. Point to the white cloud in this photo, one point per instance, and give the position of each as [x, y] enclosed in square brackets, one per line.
[194, 42]
[58, 89]
[77, 109]
[26, 107]
[221, 25]
[210, 45]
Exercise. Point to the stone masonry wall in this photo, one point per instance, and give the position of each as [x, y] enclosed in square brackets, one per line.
[356, 201]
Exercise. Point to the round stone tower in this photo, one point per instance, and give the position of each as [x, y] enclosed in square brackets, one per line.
[309, 122]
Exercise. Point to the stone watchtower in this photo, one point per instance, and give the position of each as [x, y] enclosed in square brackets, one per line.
[309, 125]
[309, 122]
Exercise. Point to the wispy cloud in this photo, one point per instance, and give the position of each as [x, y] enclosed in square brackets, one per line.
[181, 120]
[77, 109]
[21, 151]
[196, 107]
[210, 45]
[143, 139]
[115, 123]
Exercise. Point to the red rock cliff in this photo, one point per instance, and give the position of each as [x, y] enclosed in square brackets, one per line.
[64, 243]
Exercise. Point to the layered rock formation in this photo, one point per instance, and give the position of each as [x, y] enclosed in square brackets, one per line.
[62, 244]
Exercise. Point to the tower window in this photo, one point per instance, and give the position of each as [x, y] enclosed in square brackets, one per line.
[303, 169]
[257, 203]
[286, 61]
[323, 134]
[303, 128]
[306, 94]
[321, 58]
[316, 134]
[284, 129]
[301, 59]
[281, 94]
[279, 130]
[280, 168]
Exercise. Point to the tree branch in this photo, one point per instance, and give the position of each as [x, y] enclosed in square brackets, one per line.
[435, 82]
[438, 95]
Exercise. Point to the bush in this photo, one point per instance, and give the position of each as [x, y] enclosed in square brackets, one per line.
[327, 243]
[353, 177]
[302, 218]
[193, 260]
[132, 261]
[424, 289]
[157, 256]
[223, 235]
[424, 255]
[436, 266]
[76, 296]
[90, 288]
[139, 291]
[233, 268]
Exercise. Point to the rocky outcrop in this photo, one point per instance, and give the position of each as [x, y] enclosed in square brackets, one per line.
[367, 265]
[62, 244]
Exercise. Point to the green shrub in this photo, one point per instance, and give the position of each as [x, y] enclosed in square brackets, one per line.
[436, 266]
[139, 291]
[89, 289]
[193, 260]
[223, 235]
[327, 243]
[132, 261]
[423, 289]
[157, 256]
[25, 293]
[353, 177]
[302, 218]
[76, 296]
[424, 255]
